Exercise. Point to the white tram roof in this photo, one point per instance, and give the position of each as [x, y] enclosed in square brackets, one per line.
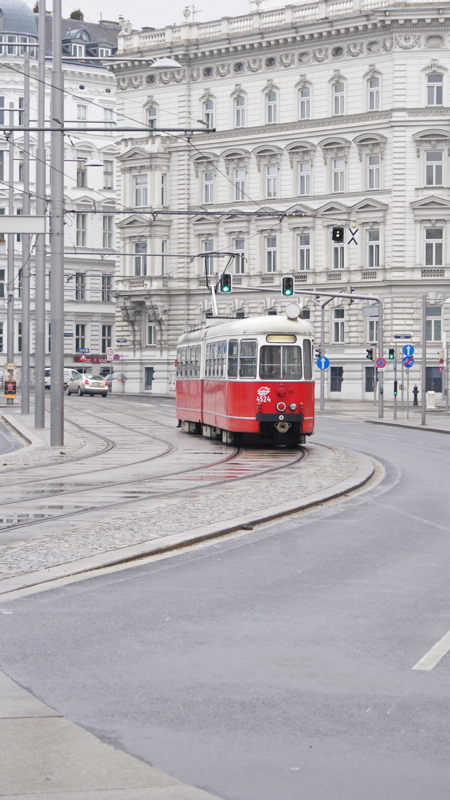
[251, 326]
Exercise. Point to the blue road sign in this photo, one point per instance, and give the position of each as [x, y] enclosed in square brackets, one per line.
[120, 341]
[408, 350]
[408, 361]
[323, 362]
[84, 350]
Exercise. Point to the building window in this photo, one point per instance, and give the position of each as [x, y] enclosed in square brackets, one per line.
[373, 331]
[106, 337]
[304, 178]
[271, 107]
[108, 174]
[2, 109]
[80, 337]
[2, 163]
[239, 261]
[208, 187]
[434, 163]
[373, 88]
[108, 119]
[140, 190]
[163, 189]
[1, 337]
[208, 247]
[304, 251]
[338, 256]
[2, 213]
[151, 332]
[2, 282]
[21, 107]
[152, 118]
[19, 282]
[271, 180]
[271, 253]
[81, 230]
[20, 166]
[435, 89]
[374, 168]
[239, 183]
[106, 289]
[19, 337]
[239, 112]
[104, 52]
[338, 99]
[208, 113]
[373, 248]
[81, 116]
[108, 231]
[78, 50]
[80, 286]
[81, 173]
[304, 103]
[338, 325]
[140, 258]
[336, 378]
[18, 235]
[433, 330]
[163, 256]
[433, 246]
[338, 174]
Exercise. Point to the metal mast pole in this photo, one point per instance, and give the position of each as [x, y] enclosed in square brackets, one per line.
[57, 236]
[10, 259]
[380, 354]
[39, 303]
[25, 399]
[424, 359]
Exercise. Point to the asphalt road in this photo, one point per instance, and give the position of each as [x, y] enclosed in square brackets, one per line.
[277, 665]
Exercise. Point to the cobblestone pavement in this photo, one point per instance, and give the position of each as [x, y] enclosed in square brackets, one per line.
[325, 472]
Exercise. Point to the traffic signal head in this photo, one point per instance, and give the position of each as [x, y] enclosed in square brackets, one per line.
[391, 353]
[395, 388]
[226, 283]
[369, 353]
[317, 352]
[287, 285]
[337, 234]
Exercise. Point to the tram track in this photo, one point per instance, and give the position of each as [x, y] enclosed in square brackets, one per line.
[70, 502]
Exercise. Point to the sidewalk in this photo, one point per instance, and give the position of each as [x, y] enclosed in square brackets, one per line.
[43, 755]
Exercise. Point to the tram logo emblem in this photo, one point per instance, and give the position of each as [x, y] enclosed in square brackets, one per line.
[263, 394]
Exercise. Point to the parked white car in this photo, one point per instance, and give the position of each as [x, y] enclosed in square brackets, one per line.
[68, 373]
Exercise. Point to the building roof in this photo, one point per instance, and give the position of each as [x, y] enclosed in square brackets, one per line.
[17, 17]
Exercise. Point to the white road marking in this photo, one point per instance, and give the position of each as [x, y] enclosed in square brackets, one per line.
[434, 655]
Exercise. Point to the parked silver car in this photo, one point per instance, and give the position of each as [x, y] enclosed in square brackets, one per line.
[87, 384]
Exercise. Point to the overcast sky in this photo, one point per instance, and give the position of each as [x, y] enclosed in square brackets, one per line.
[154, 15]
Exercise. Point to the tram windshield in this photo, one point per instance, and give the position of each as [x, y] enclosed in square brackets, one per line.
[280, 362]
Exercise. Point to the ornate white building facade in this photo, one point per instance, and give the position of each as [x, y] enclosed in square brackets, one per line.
[334, 113]
[89, 191]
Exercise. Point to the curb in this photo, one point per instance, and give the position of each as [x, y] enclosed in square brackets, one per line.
[45, 578]
[406, 425]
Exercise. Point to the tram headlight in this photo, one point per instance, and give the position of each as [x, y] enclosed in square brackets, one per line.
[281, 406]
[292, 407]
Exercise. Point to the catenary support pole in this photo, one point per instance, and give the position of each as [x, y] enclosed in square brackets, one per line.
[39, 313]
[10, 257]
[57, 236]
[424, 359]
[25, 373]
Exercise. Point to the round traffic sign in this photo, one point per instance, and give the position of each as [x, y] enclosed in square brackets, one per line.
[110, 352]
[323, 362]
[380, 362]
[408, 350]
[408, 361]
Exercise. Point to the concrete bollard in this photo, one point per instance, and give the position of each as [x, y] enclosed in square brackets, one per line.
[431, 401]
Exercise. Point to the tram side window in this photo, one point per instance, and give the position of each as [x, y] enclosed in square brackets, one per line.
[179, 363]
[208, 361]
[247, 359]
[307, 359]
[197, 350]
[280, 362]
[222, 358]
[233, 353]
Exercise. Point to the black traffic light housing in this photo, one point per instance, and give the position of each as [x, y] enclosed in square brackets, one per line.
[395, 388]
[226, 283]
[287, 285]
[369, 353]
[337, 234]
[317, 352]
[391, 353]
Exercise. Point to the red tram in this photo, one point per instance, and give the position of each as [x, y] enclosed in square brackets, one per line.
[247, 377]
